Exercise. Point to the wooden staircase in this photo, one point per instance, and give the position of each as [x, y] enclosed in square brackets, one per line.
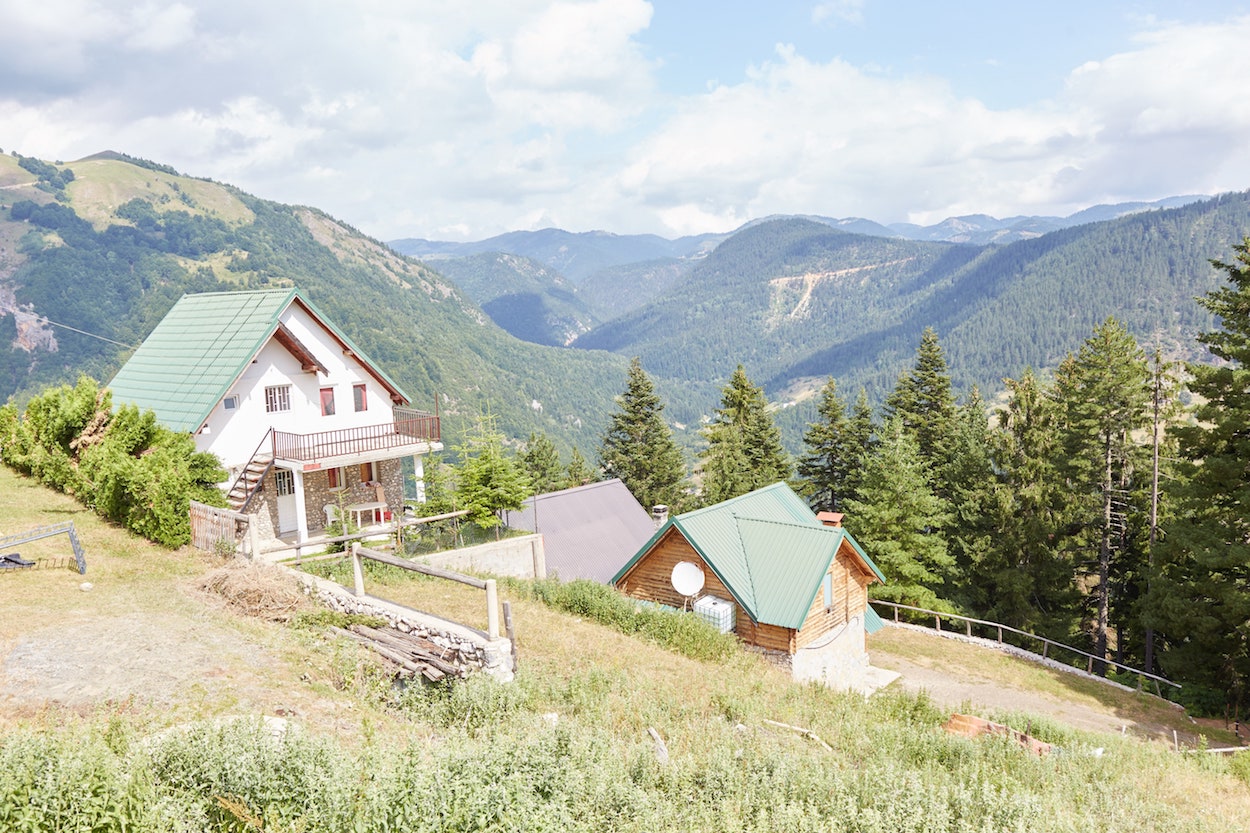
[249, 482]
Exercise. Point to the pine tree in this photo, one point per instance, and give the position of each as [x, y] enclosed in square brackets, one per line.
[744, 450]
[1102, 393]
[1025, 577]
[1200, 601]
[897, 518]
[489, 479]
[830, 461]
[579, 472]
[638, 446]
[970, 482]
[542, 464]
[924, 401]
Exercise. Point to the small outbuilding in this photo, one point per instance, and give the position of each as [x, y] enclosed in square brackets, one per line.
[763, 566]
[588, 531]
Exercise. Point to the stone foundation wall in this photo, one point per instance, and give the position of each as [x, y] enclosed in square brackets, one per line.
[462, 646]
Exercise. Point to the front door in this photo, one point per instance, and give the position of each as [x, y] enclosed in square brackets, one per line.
[284, 485]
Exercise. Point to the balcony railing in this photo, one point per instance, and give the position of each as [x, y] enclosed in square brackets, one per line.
[408, 427]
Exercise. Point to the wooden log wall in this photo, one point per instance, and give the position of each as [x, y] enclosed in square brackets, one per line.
[651, 579]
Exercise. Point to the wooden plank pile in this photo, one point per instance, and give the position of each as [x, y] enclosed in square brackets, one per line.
[971, 726]
[413, 654]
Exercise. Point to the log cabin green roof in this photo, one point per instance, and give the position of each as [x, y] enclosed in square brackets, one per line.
[202, 345]
[767, 548]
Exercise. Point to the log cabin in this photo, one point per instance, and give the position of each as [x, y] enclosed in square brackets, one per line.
[789, 584]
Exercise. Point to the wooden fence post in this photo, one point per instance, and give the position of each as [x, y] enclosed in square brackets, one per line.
[357, 572]
[540, 557]
[492, 609]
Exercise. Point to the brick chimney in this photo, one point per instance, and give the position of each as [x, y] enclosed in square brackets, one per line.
[659, 514]
[833, 519]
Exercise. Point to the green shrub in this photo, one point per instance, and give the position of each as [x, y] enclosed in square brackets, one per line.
[124, 465]
[684, 633]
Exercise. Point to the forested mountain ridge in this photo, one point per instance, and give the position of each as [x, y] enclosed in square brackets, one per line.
[797, 301]
[576, 255]
[106, 245]
[527, 298]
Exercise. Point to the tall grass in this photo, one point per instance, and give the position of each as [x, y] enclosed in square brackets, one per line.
[527, 775]
[682, 633]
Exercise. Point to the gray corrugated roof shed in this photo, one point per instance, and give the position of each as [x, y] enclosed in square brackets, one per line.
[588, 531]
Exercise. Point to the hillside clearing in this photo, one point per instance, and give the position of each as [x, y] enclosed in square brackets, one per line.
[144, 651]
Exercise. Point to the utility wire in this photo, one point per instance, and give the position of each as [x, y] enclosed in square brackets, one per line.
[82, 332]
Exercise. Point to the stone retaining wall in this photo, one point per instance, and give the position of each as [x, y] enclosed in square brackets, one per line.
[462, 646]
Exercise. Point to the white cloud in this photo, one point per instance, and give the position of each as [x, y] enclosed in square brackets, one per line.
[429, 118]
[848, 11]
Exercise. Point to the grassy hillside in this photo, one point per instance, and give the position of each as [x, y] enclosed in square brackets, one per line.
[107, 254]
[135, 701]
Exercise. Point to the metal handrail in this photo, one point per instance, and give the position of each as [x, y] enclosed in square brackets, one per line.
[243, 474]
[1046, 643]
[403, 430]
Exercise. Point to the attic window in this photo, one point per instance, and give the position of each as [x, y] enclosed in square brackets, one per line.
[231, 402]
[277, 398]
[359, 398]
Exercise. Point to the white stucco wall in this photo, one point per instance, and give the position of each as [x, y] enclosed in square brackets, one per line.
[233, 435]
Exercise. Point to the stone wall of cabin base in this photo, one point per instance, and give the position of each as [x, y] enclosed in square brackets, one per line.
[462, 646]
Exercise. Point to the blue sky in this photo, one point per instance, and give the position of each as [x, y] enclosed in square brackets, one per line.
[463, 120]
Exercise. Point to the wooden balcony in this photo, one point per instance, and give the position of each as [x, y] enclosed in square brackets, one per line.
[408, 432]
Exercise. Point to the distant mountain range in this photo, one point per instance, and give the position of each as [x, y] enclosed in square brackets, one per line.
[536, 327]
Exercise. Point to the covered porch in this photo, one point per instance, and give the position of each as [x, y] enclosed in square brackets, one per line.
[354, 472]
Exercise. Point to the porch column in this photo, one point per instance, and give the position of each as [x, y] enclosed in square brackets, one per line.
[301, 516]
[418, 469]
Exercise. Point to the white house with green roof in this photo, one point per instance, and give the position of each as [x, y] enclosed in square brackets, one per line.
[302, 419]
[763, 566]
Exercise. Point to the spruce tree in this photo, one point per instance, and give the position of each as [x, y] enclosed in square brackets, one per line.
[638, 446]
[1102, 394]
[897, 517]
[578, 472]
[542, 464]
[489, 478]
[1024, 578]
[1200, 600]
[744, 450]
[923, 400]
[827, 464]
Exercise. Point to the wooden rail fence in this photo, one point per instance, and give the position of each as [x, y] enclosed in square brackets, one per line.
[492, 594]
[1047, 644]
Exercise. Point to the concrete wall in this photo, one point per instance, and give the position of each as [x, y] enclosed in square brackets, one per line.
[521, 557]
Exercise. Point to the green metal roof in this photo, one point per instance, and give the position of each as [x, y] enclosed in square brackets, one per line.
[766, 547]
[202, 345]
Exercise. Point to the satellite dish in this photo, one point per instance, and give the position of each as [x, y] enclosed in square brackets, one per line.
[687, 578]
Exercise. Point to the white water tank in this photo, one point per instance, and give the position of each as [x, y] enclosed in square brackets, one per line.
[718, 612]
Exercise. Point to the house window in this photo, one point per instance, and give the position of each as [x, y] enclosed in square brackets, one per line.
[277, 398]
[359, 399]
[231, 402]
[284, 482]
[334, 477]
[327, 401]
[366, 472]
[827, 589]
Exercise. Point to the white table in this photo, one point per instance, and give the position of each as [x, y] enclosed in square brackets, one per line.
[372, 507]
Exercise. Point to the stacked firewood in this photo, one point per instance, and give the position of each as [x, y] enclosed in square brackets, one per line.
[413, 654]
